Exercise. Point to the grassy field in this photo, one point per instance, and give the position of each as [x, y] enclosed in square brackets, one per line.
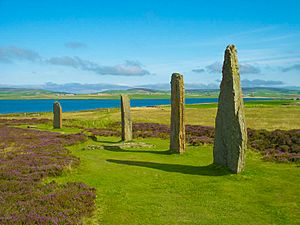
[148, 186]
[142, 183]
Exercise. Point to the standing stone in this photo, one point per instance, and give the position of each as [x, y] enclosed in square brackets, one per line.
[57, 116]
[230, 133]
[126, 118]
[177, 136]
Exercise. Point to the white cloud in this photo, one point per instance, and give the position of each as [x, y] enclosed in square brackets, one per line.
[260, 83]
[9, 54]
[129, 68]
[294, 67]
[245, 68]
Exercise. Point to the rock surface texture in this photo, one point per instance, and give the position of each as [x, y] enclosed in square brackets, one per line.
[57, 116]
[177, 135]
[230, 133]
[126, 118]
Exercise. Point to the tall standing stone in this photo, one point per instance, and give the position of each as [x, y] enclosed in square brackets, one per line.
[177, 136]
[230, 132]
[57, 116]
[126, 118]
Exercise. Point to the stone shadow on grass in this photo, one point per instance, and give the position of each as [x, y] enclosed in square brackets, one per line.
[94, 138]
[209, 170]
[118, 149]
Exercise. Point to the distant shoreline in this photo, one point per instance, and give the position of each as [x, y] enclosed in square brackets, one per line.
[134, 96]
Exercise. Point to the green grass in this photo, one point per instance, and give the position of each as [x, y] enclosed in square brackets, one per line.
[146, 185]
[49, 127]
[149, 186]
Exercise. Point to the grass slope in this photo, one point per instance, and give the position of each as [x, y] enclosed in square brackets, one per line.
[251, 92]
[24, 93]
[148, 186]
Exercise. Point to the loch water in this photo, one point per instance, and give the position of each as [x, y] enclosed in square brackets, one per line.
[69, 105]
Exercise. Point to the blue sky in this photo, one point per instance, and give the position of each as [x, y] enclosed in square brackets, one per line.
[144, 42]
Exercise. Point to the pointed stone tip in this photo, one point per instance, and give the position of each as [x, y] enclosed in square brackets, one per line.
[230, 48]
[177, 75]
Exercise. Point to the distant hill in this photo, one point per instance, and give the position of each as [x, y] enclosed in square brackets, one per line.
[19, 93]
[22, 92]
[253, 91]
[133, 91]
[77, 88]
[94, 88]
[272, 92]
[250, 92]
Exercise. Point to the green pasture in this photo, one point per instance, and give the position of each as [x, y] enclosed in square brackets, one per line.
[144, 184]
[147, 185]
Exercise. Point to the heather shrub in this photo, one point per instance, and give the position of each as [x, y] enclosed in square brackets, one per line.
[103, 132]
[278, 145]
[24, 121]
[28, 156]
[202, 140]
[145, 130]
